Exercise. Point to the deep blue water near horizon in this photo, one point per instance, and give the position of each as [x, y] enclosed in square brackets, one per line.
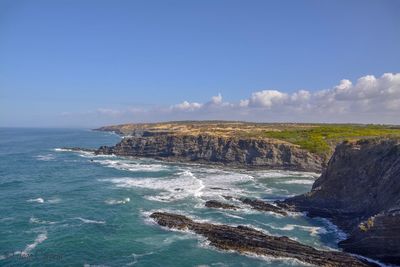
[64, 208]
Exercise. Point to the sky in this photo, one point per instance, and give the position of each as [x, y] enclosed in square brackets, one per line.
[74, 63]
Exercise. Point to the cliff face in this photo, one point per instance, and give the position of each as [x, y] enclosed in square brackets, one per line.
[360, 192]
[223, 150]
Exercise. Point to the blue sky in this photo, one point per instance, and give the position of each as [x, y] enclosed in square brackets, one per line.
[87, 63]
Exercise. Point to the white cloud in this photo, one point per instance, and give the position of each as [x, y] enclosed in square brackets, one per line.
[267, 98]
[187, 106]
[216, 100]
[368, 100]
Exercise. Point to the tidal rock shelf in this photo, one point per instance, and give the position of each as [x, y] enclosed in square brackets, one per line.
[263, 206]
[253, 203]
[220, 205]
[244, 239]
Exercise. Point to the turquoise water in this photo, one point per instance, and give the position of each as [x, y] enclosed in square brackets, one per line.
[63, 208]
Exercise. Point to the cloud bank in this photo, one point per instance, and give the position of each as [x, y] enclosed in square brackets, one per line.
[368, 100]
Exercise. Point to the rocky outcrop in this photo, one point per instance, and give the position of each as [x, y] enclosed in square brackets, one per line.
[263, 206]
[220, 205]
[238, 152]
[360, 192]
[247, 240]
[253, 203]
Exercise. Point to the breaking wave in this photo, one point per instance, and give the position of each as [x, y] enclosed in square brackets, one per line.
[89, 221]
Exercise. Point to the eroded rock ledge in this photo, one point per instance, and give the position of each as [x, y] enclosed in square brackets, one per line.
[220, 205]
[247, 240]
[253, 203]
[263, 206]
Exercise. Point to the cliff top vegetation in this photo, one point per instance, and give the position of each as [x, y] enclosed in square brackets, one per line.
[316, 138]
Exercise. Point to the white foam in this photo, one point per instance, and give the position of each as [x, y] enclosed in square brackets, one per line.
[172, 188]
[37, 200]
[313, 230]
[297, 181]
[127, 165]
[116, 202]
[46, 157]
[233, 216]
[62, 150]
[83, 153]
[279, 174]
[54, 200]
[39, 239]
[340, 235]
[137, 256]
[90, 221]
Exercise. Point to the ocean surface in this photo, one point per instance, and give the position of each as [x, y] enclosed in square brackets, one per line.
[64, 208]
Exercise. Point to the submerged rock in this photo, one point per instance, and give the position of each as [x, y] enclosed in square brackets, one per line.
[247, 240]
[360, 192]
[263, 206]
[220, 205]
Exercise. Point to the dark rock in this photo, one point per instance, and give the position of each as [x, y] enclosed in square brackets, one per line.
[247, 240]
[220, 205]
[208, 149]
[360, 192]
[263, 206]
[219, 188]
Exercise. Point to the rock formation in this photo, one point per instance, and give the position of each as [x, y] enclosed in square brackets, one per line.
[237, 152]
[219, 205]
[360, 192]
[263, 206]
[247, 240]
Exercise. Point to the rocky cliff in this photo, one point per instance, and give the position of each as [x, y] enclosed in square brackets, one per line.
[231, 151]
[360, 192]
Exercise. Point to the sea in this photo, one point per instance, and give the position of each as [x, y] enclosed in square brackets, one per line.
[66, 208]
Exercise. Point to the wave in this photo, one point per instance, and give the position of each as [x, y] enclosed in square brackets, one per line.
[233, 216]
[126, 165]
[116, 202]
[313, 230]
[175, 188]
[282, 173]
[137, 256]
[39, 239]
[90, 221]
[37, 200]
[46, 157]
[297, 181]
[83, 153]
[54, 200]
[340, 235]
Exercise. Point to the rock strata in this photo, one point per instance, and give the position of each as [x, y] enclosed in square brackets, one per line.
[247, 240]
[263, 206]
[360, 192]
[231, 151]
